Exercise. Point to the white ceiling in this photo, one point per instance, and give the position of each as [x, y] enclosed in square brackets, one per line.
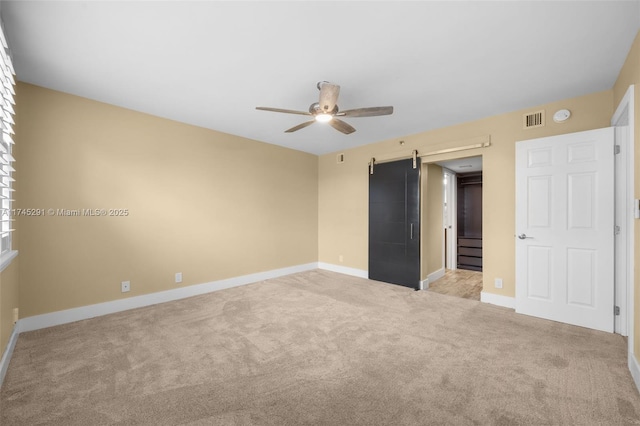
[210, 63]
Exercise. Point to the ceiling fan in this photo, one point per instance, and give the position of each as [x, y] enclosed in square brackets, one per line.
[326, 110]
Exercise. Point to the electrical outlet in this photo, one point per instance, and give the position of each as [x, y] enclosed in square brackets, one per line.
[126, 286]
[16, 315]
[178, 277]
[341, 258]
[498, 283]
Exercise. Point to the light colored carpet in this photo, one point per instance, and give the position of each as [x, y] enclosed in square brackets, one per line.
[459, 283]
[319, 348]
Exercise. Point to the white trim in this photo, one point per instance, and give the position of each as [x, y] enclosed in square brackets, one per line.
[626, 100]
[623, 238]
[344, 270]
[627, 104]
[85, 312]
[436, 275]
[6, 260]
[634, 368]
[424, 284]
[497, 299]
[8, 352]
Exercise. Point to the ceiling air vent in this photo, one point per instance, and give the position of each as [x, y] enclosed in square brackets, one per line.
[533, 119]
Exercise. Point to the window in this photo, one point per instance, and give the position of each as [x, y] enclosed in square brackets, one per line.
[7, 93]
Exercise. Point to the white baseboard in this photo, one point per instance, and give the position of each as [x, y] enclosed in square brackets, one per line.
[424, 284]
[436, 275]
[85, 312]
[634, 368]
[6, 356]
[496, 299]
[344, 270]
[361, 273]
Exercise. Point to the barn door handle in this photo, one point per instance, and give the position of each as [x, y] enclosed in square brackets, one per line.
[411, 232]
[523, 236]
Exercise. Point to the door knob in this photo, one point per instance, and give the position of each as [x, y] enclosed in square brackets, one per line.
[523, 236]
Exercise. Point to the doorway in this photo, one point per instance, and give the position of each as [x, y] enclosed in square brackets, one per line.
[462, 223]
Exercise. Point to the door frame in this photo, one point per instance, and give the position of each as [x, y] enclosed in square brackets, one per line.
[451, 247]
[624, 290]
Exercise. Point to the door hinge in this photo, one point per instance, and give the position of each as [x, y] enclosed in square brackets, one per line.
[617, 230]
[616, 310]
[616, 149]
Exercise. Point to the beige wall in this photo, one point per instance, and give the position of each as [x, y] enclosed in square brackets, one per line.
[432, 241]
[630, 74]
[343, 193]
[200, 202]
[8, 302]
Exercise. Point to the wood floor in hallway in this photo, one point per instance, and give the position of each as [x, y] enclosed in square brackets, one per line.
[459, 283]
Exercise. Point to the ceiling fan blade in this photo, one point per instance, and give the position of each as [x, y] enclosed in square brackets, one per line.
[341, 126]
[286, 111]
[367, 112]
[300, 126]
[328, 96]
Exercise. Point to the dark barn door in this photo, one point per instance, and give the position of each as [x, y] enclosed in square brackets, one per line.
[394, 223]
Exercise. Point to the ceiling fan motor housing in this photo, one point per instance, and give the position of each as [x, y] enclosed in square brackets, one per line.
[315, 109]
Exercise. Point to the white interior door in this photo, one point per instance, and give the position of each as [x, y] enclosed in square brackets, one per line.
[565, 228]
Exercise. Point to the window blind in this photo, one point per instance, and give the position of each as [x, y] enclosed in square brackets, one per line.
[7, 92]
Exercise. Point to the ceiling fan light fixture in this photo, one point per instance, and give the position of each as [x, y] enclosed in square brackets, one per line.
[326, 111]
[324, 118]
